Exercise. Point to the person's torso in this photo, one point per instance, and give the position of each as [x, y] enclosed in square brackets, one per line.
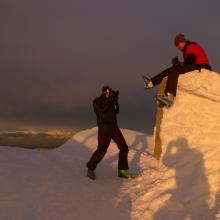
[109, 115]
[198, 51]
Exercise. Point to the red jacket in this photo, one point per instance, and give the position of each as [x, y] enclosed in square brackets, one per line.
[193, 53]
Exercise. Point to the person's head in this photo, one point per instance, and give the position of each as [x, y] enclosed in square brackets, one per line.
[180, 41]
[106, 91]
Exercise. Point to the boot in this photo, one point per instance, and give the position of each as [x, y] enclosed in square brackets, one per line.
[124, 174]
[165, 100]
[147, 83]
[91, 174]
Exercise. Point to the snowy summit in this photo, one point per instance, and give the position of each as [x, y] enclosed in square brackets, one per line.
[183, 185]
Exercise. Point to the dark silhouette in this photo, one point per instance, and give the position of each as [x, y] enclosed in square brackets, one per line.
[106, 108]
[140, 146]
[191, 182]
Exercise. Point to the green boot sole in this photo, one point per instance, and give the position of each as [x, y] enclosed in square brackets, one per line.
[124, 174]
[91, 174]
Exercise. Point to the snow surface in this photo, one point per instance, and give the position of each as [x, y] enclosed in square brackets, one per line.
[191, 142]
[53, 184]
[184, 185]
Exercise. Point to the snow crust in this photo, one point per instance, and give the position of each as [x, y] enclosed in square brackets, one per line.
[183, 185]
[52, 184]
[190, 133]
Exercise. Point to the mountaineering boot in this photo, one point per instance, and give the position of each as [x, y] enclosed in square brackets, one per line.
[165, 100]
[91, 174]
[147, 83]
[124, 174]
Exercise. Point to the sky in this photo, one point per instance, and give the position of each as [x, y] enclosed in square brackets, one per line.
[57, 55]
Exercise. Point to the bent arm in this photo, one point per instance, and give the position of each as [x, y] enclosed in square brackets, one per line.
[190, 59]
[101, 106]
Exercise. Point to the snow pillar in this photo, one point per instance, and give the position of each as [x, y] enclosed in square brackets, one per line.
[159, 116]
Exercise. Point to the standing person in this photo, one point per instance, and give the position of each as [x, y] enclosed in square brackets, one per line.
[106, 108]
[194, 58]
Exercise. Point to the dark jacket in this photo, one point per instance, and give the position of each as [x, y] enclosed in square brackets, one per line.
[106, 110]
[193, 53]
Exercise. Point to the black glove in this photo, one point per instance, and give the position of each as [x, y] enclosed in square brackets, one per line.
[175, 61]
[114, 95]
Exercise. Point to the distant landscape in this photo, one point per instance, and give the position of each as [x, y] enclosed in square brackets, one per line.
[33, 139]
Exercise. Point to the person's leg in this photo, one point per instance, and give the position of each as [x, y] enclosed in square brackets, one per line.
[123, 149]
[104, 138]
[172, 81]
[159, 77]
[167, 98]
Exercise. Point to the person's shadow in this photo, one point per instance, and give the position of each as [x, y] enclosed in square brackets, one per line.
[189, 198]
[140, 147]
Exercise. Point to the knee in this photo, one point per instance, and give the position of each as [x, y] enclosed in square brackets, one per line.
[124, 149]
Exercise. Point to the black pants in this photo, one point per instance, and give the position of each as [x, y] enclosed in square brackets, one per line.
[173, 74]
[106, 132]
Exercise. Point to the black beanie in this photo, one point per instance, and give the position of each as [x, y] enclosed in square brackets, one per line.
[179, 38]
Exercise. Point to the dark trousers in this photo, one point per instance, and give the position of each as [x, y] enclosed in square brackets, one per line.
[173, 74]
[106, 132]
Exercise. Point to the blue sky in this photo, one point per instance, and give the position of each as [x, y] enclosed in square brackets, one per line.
[57, 55]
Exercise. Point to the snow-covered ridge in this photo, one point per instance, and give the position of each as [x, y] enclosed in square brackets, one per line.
[202, 83]
[183, 185]
[53, 185]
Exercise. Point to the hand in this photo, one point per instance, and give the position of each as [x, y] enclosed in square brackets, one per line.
[114, 95]
[175, 61]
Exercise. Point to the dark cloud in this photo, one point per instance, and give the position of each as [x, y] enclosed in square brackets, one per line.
[56, 55]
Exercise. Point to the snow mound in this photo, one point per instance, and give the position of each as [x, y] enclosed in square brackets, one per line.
[183, 185]
[191, 148]
[53, 184]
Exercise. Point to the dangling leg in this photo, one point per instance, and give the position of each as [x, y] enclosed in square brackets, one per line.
[158, 78]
